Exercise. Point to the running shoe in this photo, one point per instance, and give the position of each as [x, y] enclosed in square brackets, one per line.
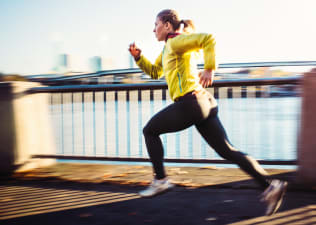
[273, 196]
[157, 187]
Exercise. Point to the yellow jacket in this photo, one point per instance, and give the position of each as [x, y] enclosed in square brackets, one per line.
[176, 62]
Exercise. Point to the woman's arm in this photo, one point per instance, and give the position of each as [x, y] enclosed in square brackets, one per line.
[154, 70]
[193, 42]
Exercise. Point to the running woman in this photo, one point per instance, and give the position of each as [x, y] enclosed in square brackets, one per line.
[192, 104]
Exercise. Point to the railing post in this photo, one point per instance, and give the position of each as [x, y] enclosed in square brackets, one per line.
[25, 128]
[307, 136]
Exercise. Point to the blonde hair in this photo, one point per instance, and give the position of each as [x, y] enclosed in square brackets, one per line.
[171, 16]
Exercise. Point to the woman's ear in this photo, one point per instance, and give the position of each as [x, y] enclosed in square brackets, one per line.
[168, 26]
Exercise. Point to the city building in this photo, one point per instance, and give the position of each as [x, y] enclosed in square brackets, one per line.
[96, 64]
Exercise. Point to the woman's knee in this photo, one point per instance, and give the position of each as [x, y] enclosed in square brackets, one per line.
[227, 154]
[148, 130]
[233, 155]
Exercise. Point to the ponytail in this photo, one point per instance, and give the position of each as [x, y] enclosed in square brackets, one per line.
[188, 26]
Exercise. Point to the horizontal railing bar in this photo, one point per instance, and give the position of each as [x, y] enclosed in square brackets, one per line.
[98, 87]
[257, 81]
[163, 85]
[98, 74]
[200, 66]
[263, 64]
[123, 159]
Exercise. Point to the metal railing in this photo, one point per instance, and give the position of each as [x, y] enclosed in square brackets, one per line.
[104, 122]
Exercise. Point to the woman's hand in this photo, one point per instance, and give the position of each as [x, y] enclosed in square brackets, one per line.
[135, 51]
[206, 78]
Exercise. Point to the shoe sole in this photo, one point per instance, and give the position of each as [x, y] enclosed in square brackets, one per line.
[279, 201]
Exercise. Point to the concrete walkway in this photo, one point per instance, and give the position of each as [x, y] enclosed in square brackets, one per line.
[107, 194]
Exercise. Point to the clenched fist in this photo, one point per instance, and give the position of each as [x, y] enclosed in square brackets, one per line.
[135, 51]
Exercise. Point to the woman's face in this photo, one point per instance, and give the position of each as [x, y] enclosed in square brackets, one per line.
[161, 29]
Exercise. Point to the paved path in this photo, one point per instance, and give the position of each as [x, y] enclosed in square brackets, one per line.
[67, 198]
[207, 176]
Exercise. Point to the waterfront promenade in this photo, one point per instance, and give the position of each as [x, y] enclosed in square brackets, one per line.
[68, 193]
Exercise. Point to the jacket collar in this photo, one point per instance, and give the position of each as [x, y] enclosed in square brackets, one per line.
[171, 35]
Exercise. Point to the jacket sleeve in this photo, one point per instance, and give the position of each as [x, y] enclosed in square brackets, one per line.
[154, 70]
[194, 42]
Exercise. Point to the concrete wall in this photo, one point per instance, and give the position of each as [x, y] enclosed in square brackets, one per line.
[25, 128]
[307, 136]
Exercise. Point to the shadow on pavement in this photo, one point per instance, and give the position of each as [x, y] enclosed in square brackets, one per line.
[61, 202]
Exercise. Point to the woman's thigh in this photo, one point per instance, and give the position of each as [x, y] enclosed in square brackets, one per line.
[175, 117]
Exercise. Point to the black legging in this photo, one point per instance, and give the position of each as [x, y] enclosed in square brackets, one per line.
[199, 110]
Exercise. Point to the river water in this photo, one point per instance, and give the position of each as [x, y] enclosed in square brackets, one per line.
[265, 128]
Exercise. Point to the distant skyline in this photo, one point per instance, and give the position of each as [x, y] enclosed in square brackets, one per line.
[34, 32]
